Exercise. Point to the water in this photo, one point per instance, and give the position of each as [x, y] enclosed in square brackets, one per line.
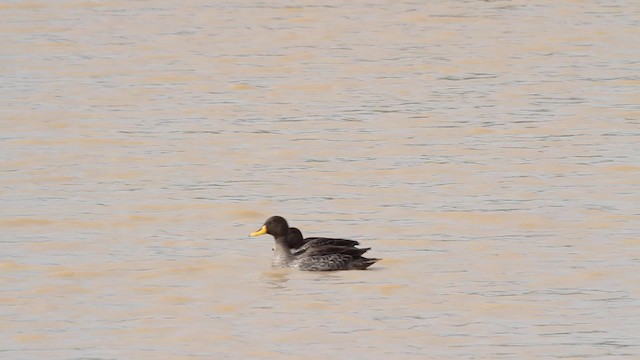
[486, 150]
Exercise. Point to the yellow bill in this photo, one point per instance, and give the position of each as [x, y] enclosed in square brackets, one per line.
[262, 231]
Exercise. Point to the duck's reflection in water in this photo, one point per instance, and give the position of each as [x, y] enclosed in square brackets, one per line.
[276, 278]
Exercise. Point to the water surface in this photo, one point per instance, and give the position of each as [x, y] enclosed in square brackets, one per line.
[488, 151]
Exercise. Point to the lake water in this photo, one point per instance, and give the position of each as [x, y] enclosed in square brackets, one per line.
[487, 150]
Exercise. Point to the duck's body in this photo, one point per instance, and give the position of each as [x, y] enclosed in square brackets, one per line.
[315, 254]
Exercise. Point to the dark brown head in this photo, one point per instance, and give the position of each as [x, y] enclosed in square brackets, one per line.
[276, 226]
[295, 238]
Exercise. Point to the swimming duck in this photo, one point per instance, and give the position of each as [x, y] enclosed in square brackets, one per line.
[319, 257]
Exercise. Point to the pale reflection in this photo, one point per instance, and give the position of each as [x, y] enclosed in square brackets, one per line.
[276, 277]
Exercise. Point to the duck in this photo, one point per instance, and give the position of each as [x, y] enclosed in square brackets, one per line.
[316, 254]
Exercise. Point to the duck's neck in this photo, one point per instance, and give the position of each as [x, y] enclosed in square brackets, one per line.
[281, 253]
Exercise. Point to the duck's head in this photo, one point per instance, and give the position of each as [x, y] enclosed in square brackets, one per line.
[295, 238]
[275, 225]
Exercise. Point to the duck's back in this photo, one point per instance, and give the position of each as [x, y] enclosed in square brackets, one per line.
[322, 241]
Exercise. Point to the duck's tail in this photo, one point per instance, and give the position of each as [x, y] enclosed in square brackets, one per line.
[363, 263]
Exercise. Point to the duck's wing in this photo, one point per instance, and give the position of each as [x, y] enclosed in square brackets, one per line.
[330, 249]
[322, 241]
